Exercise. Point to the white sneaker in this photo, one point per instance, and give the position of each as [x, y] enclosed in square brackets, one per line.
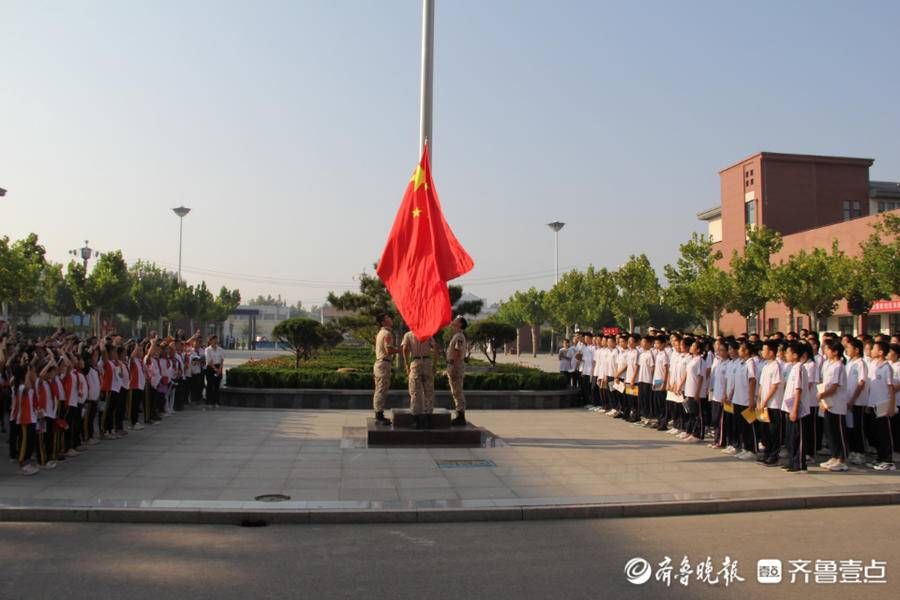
[885, 466]
[760, 447]
[838, 466]
[730, 450]
[49, 466]
[72, 453]
[92, 442]
[138, 426]
[672, 431]
[857, 459]
[691, 439]
[682, 435]
[746, 455]
[611, 412]
[28, 469]
[827, 463]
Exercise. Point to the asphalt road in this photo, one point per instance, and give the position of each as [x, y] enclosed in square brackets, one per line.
[520, 560]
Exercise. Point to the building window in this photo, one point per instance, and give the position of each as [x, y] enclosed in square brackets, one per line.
[894, 324]
[884, 206]
[845, 325]
[857, 211]
[750, 213]
[772, 327]
[752, 325]
[846, 210]
[799, 324]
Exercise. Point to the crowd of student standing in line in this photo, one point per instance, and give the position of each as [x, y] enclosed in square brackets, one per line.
[64, 395]
[780, 400]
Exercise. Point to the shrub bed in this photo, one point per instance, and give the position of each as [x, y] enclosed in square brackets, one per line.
[322, 372]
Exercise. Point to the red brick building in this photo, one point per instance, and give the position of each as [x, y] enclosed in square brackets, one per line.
[811, 201]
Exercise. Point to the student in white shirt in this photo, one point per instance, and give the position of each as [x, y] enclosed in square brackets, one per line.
[883, 403]
[587, 369]
[608, 374]
[619, 376]
[857, 399]
[645, 381]
[660, 376]
[833, 404]
[215, 360]
[743, 397]
[92, 374]
[770, 396]
[717, 397]
[894, 359]
[793, 407]
[631, 360]
[691, 383]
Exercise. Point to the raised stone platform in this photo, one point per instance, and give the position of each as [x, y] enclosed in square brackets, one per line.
[402, 432]
[403, 418]
[362, 399]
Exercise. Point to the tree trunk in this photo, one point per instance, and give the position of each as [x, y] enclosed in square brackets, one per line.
[630, 324]
[568, 332]
[790, 326]
[518, 341]
[535, 339]
[715, 325]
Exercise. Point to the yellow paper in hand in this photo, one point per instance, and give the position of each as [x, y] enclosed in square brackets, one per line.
[729, 407]
[763, 414]
[749, 414]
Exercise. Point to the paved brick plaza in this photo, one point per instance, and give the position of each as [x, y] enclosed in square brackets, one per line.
[225, 457]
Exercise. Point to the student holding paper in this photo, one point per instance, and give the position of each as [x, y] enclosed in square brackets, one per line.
[743, 398]
[833, 405]
[691, 382]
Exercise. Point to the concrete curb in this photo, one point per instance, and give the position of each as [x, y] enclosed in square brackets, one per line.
[525, 512]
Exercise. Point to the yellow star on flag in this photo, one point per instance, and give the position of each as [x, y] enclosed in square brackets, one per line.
[416, 212]
[418, 178]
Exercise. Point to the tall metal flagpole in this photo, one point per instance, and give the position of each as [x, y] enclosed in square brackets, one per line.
[427, 84]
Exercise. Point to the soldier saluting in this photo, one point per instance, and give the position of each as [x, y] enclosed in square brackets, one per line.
[384, 355]
[456, 369]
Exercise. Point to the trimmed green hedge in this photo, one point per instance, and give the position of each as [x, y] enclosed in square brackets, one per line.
[321, 373]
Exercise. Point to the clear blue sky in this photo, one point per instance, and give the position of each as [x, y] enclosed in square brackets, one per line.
[290, 128]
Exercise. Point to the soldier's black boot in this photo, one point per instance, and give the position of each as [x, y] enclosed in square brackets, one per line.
[380, 419]
[460, 420]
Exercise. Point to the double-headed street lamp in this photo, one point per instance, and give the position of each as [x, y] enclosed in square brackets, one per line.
[181, 211]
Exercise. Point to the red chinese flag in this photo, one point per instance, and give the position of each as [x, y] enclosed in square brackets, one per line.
[421, 256]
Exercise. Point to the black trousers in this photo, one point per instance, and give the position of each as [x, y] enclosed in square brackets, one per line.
[884, 441]
[13, 440]
[107, 415]
[772, 433]
[793, 431]
[855, 433]
[604, 395]
[197, 388]
[694, 421]
[87, 423]
[213, 381]
[180, 394]
[837, 435]
[744, 434]
[25, 443]
[119, 399]
[645, 400]
[73, 433]
[658, 398]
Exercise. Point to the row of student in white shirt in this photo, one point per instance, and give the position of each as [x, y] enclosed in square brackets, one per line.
[736, 375]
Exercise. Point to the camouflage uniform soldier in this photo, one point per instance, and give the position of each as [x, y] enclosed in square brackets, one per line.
[384, 355]
[456, 369]
[419, 357]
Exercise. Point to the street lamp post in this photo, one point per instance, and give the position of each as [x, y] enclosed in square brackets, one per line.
[86, 253]
[181, 211]
[556, 226]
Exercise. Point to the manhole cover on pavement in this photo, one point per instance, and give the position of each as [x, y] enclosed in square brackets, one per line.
[272, 498]
[465, 464]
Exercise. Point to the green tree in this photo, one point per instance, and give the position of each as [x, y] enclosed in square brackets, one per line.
[76, 281]
[303, 336]
[602, 294]
[697, 286]
[58, 298]
[751, 272]
[820, 277]
[221, 306]
[488, 335]
[566, 300]
[463, 307]
[107, 284]
[154, 291]
[638, 290]
[528, 307]
[22, 266]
